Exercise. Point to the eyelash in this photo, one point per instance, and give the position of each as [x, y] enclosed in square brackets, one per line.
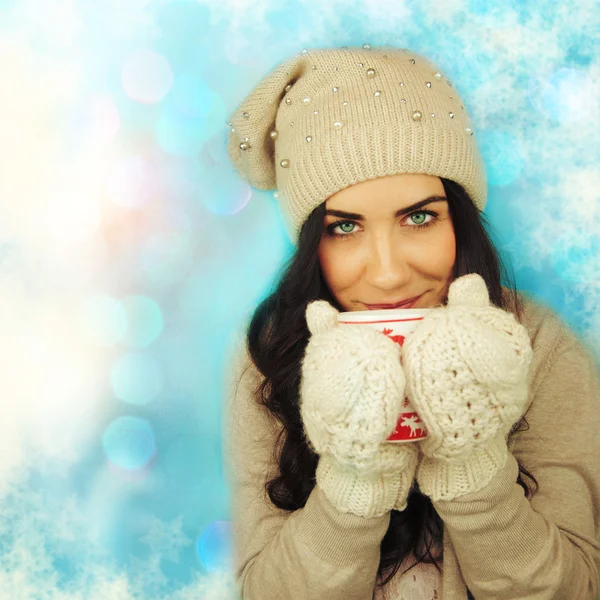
[329, 229]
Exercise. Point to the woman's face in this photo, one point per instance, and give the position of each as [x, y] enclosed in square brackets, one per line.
[380, 257]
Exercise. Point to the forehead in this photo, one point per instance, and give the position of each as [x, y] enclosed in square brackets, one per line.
[401, 189]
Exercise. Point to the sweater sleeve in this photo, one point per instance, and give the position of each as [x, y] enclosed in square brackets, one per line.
[312, 552]
[546, 547]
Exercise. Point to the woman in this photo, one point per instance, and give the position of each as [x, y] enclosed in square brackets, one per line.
[381, 188]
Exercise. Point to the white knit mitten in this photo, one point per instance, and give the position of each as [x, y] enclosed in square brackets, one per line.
[351, 395]
[466, 366]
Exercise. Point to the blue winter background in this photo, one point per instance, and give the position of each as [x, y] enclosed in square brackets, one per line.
[131, 253]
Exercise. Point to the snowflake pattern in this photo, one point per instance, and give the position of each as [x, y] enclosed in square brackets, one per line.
[166, 538]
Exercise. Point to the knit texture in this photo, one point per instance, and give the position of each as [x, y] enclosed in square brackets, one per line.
[466, 366]
[369, 494]
[504, 545]
[339, 116]
[351, 392]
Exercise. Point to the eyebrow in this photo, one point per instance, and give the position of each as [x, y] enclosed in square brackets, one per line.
[399, 213]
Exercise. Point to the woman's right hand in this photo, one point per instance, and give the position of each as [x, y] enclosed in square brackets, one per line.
[351, 395]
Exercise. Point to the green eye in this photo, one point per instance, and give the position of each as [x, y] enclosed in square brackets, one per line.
[348, 228]
[416, 216]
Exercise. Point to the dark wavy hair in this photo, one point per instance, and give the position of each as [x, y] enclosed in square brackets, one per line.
[277, 336]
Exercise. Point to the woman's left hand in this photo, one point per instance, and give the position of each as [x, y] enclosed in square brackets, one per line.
[466, 366]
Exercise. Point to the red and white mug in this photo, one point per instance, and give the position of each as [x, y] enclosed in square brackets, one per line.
[397, 324]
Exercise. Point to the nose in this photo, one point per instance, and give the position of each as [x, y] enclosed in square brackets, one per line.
[387, 266]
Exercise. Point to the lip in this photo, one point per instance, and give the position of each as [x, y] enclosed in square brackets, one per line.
[404, 304]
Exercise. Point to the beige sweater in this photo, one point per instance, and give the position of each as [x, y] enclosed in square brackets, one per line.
[496, 542]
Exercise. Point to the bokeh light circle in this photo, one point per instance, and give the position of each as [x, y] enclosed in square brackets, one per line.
[144, 319]
[192, 96]
[224, 193]
[192, 116]
[129, 442]
[146, 76]
[136, 378]
[214, 546]
[102, 320]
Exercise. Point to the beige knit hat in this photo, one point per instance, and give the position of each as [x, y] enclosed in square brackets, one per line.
[328, 118]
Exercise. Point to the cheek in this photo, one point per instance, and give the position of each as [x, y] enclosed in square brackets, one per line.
[448, 249]
[336, 268]
[438, 254]
[327, 262]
